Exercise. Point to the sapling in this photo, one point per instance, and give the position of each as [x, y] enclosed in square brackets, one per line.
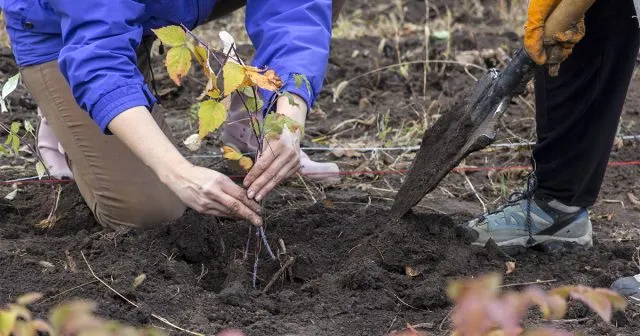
[240, 80]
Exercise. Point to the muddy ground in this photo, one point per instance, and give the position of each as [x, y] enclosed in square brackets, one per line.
[348, 276]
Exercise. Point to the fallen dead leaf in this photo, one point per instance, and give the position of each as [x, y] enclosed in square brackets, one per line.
[411, 272]
[633, 199]
[71, 262]
[511, 267]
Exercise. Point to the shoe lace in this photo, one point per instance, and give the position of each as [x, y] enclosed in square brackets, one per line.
[517, 196]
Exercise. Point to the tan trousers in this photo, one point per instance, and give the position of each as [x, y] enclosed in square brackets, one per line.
[118, 187]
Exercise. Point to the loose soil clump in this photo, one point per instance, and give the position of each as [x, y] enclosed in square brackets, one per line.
[356, 270]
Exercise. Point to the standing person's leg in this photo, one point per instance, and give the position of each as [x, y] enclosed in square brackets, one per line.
[117, 186]
[579, 111]
[577, 115]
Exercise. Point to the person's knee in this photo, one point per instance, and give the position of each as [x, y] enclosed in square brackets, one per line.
[143, 215]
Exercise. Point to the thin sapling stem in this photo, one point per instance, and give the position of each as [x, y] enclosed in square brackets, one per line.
[266, 243]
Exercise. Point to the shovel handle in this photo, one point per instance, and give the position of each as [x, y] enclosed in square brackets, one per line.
[566, 14]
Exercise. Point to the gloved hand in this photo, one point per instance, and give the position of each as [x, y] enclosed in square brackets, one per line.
[543, 51]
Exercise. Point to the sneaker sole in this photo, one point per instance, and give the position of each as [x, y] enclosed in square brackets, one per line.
[585, 241]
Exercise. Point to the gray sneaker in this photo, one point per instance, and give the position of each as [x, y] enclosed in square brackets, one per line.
[628, 287]
[528, 222]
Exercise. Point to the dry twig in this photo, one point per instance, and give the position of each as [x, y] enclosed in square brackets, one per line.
[159, 318]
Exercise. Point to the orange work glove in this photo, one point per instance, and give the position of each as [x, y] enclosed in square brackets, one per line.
[549, 51]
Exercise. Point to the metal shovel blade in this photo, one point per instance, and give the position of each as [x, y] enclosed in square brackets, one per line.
[468, 127]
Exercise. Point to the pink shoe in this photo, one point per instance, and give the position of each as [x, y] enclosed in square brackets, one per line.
[237, 133]
[51, 151]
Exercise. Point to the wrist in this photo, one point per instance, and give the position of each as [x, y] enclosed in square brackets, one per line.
[297, 112]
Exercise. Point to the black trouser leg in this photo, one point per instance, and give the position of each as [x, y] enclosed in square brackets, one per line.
[577, 113]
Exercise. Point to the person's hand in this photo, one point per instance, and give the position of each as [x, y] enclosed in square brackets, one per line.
[543, 51]
[210, 192]
[280, 156]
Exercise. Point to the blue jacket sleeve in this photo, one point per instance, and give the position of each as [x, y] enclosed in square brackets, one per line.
[292, 37]
[98, 58]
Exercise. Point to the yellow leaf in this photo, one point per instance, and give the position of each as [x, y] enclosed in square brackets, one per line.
[173, 36]
[212, 86]
[246, 163]
[40, 169]
[234, 76]
[211, 116]
[7, 321]
[28, 298]
[230, 153]
[139, 280]
[202, 56]
[267, 80]
[23, 328]
[178, 63]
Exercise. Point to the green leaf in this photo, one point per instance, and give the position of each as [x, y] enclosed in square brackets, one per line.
[274, 123]
[212, 115]
[178, 63]
[441, 35]
[292, 101]
[10, 85]
[40, 169]
[173, 36]
[255, 104]
[299, 78]
[233, 76]
[28, 127]
[13, 140]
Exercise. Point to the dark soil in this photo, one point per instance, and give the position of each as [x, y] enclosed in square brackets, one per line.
[349, 273]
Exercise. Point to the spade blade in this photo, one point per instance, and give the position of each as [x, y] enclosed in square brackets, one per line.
[469, 126]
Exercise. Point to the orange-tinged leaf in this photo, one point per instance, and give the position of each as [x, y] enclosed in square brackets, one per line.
[42, 326]
[233, 76]
[617, 301]
[178, 63]
[246, 163]
[267, 80]
[202, 56]
[28, 298]
[230, 153]
[173, 36]
[553, 307]
[599, 303]
[211, 115]
[7, 322]
[546, 332]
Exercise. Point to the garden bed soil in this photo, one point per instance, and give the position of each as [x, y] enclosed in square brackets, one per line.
[351, 259]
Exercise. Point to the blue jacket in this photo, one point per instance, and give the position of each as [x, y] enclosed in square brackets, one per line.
[94, 42]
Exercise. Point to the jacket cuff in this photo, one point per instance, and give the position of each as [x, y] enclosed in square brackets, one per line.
[118, 101]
